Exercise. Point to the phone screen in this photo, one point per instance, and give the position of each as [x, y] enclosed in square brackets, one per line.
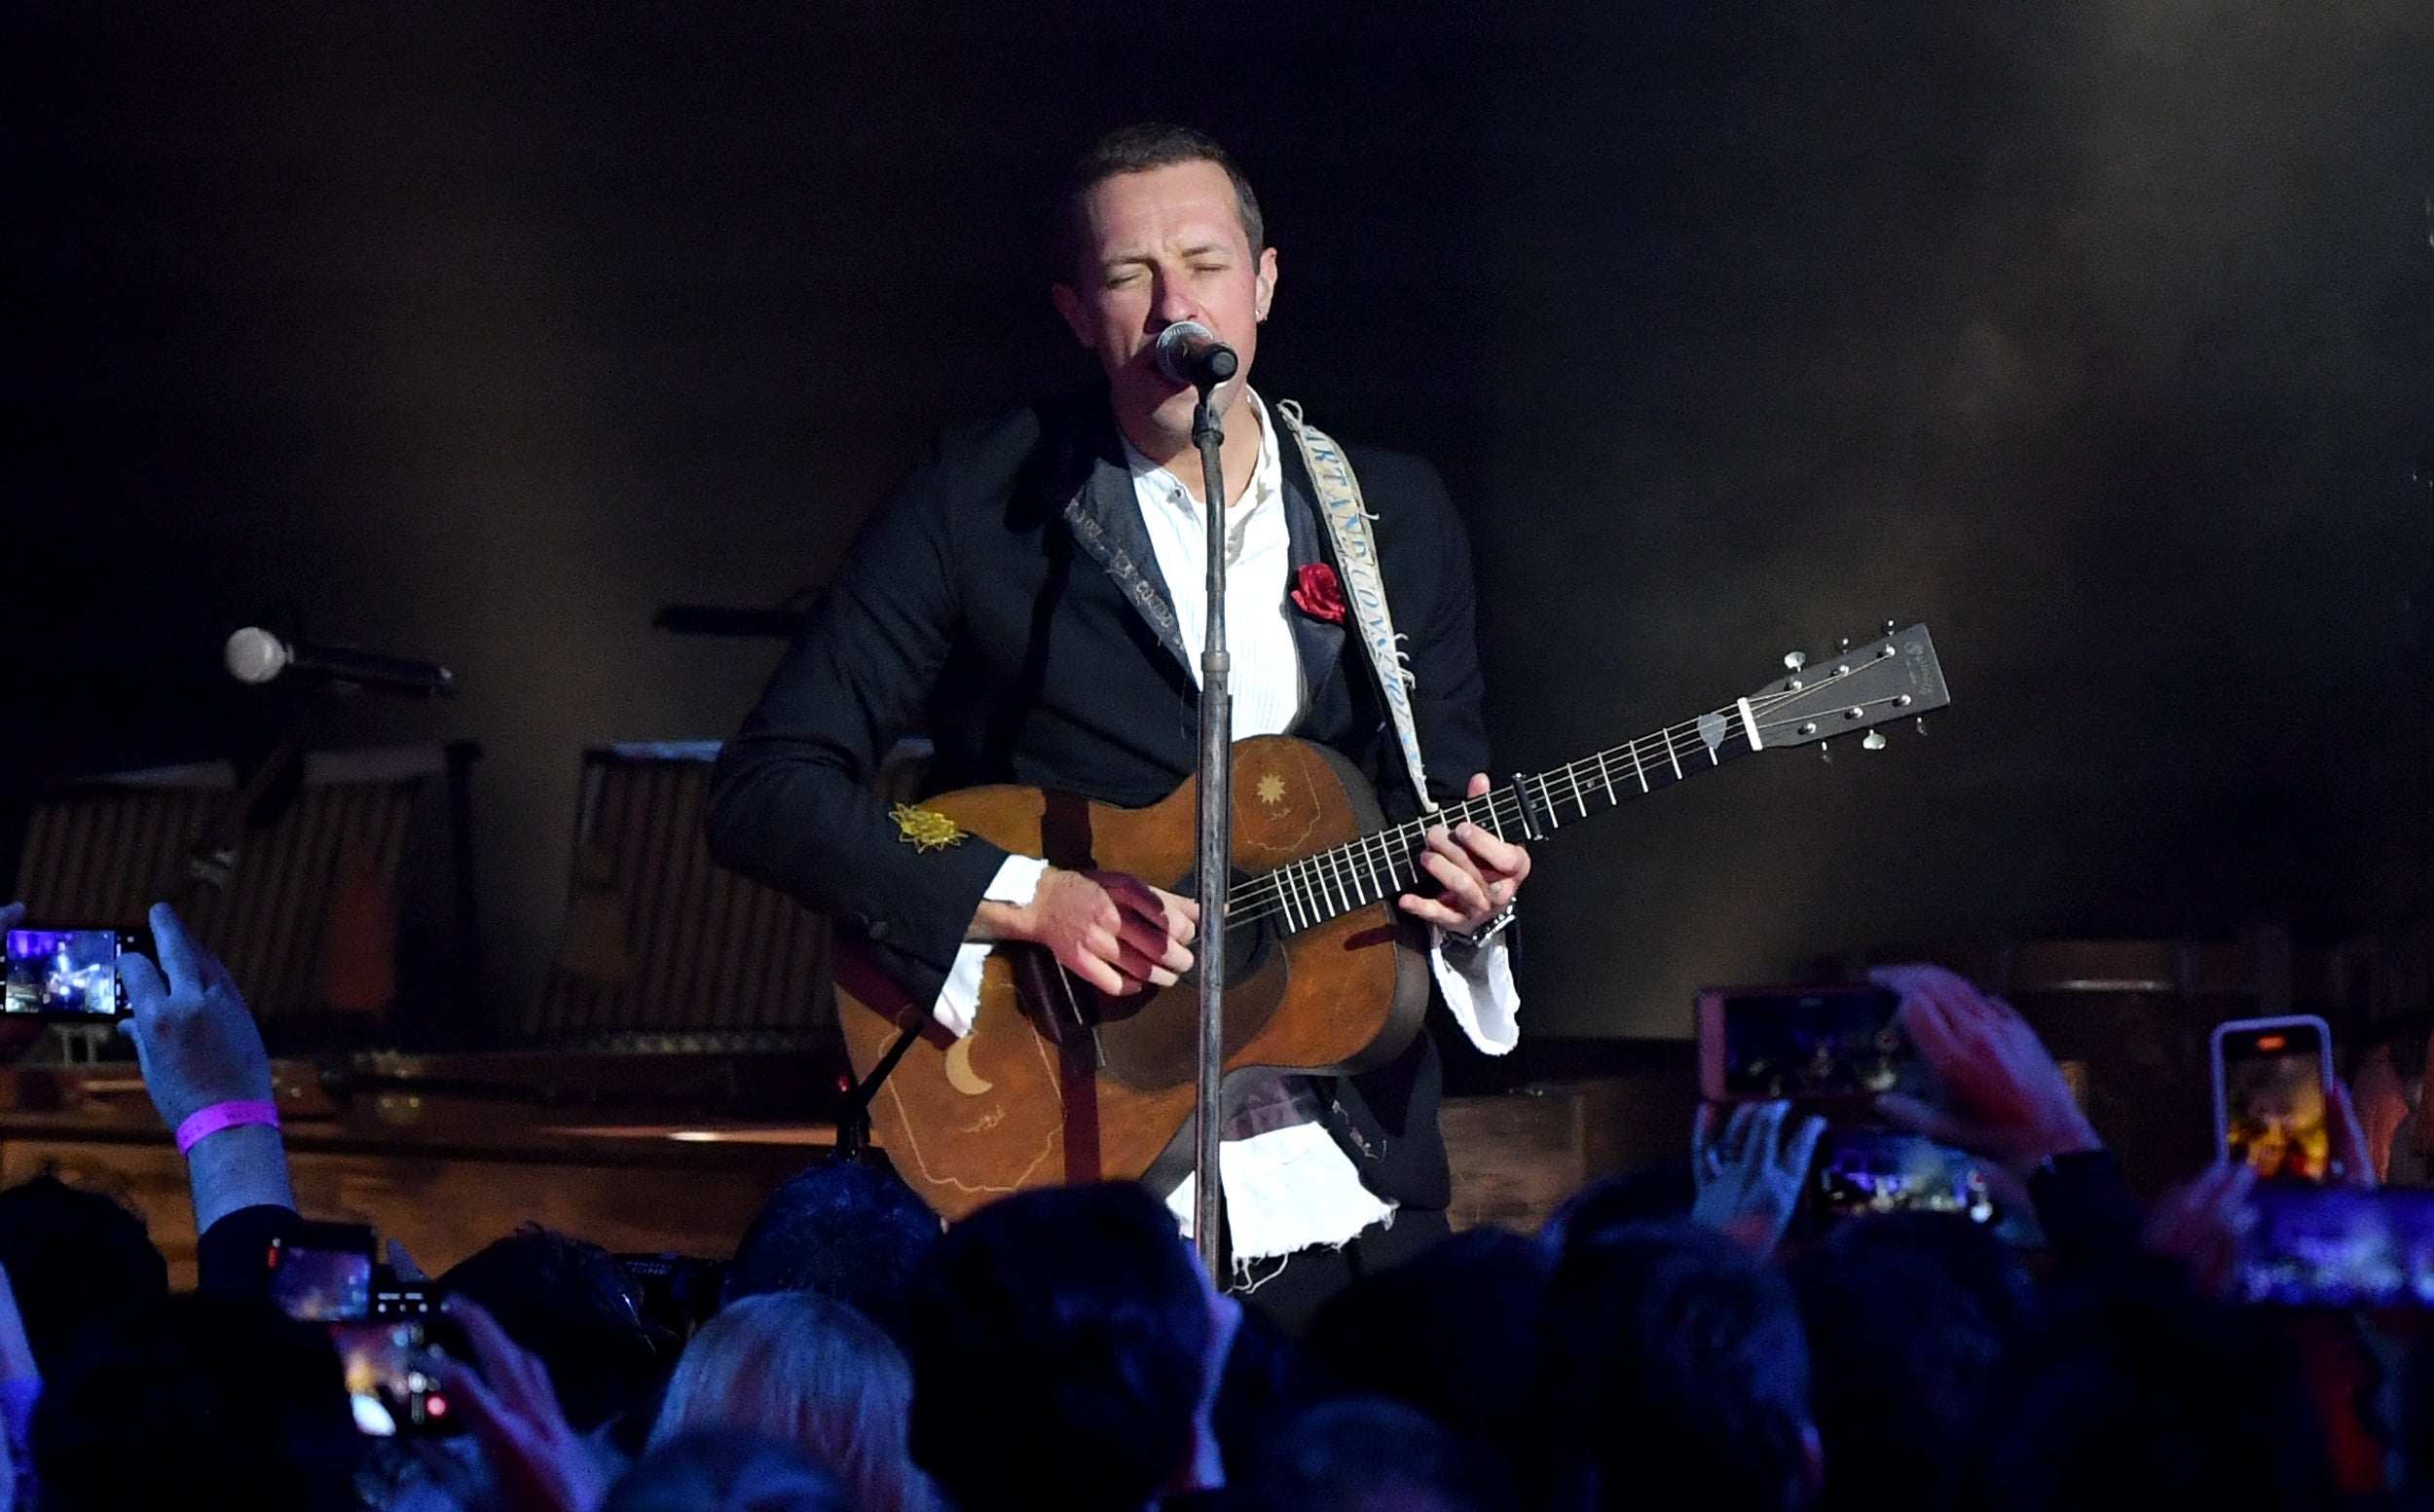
[2338, 1247]
[1834, 1043]
[64, 972]
[391, 1368]
[1865, 1170]
[323, 1275]
[2274, 1113]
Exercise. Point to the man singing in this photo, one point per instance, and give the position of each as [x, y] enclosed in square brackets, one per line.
[1038, 584]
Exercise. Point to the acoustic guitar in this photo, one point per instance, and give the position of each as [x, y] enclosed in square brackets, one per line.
[1058, 1083]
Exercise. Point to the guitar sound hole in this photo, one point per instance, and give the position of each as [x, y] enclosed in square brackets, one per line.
[1152, 1039]
[1249, 941]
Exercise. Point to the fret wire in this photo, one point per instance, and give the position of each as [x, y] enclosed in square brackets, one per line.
[1384, 867]
[1381, 862]
[1349, 877]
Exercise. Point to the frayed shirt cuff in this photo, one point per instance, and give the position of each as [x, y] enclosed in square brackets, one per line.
[1480, 992]
[1017, 883]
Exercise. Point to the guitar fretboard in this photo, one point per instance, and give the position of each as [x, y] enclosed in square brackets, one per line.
[1303, 893]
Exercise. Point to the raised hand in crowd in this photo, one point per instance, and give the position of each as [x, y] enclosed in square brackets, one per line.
[200, 1050]
[2353, 1158]
[2202, 1222]
[2002, 1096]
[1748, 1172]
[540, 1462]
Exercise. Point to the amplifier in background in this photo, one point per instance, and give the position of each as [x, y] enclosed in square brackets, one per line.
[305, 911]
[665, 950]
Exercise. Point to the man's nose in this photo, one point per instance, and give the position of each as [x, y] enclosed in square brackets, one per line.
[1174, 303]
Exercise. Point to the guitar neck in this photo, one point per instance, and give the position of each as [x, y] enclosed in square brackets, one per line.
[1303, 893]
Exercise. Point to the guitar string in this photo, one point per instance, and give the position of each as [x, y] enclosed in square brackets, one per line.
[1304, 885]
[1317, 872]
[1311, 874]
[1352, 871]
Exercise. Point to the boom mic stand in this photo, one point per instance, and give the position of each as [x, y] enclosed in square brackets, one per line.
[1215, 858]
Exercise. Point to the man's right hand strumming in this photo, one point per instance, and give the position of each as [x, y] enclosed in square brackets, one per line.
[1111, 930]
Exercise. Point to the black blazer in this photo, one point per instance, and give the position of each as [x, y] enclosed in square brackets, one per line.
[1010, 587]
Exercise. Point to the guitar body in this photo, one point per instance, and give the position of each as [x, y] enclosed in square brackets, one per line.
[1056, 1083]
[1324, 974]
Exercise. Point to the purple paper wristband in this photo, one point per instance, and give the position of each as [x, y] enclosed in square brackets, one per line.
[204, 1122]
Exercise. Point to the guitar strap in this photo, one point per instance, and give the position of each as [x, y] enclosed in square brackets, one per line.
[1348, 519]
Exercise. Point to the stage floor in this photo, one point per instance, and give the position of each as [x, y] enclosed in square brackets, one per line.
[447, 1154]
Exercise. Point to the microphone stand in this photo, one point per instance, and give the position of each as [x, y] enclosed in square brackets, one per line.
[1216, 842]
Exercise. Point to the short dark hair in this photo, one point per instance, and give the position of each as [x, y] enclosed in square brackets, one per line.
[846, 1230]
[1903, 1360]
[198, 1401]
[1058, 1343]
[1358, 1452]
[565, 1300]
[73, 1257]
[1139, 149]
[2136, 1391]
[1672, 1357]
[1483, 1291]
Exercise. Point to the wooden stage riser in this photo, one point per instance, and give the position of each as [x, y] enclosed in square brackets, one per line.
[1514, 1159]
[441, 1211]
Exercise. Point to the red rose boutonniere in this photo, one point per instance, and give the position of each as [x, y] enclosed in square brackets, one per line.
[1317, 593]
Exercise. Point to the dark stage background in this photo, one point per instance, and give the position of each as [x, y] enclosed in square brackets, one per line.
[2095, 332]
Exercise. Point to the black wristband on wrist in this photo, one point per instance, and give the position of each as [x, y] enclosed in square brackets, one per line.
[1479, 937]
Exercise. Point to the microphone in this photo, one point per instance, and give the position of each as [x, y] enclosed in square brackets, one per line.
[255, 656]
[1190, 352]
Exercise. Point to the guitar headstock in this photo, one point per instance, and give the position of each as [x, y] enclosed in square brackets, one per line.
[1855, 688]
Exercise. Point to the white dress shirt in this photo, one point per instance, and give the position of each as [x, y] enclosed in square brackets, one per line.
[1290, 1187]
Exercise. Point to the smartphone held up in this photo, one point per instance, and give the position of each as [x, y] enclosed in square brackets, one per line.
[391, 1336]
[69, 974]
[1817, 1045]
[2273, 1105]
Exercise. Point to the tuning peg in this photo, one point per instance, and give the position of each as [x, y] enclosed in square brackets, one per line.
[1846, 642]
[1888, 627]
[1825, 749]
[1920, 723]
[1793, 661]
[1873, 740]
